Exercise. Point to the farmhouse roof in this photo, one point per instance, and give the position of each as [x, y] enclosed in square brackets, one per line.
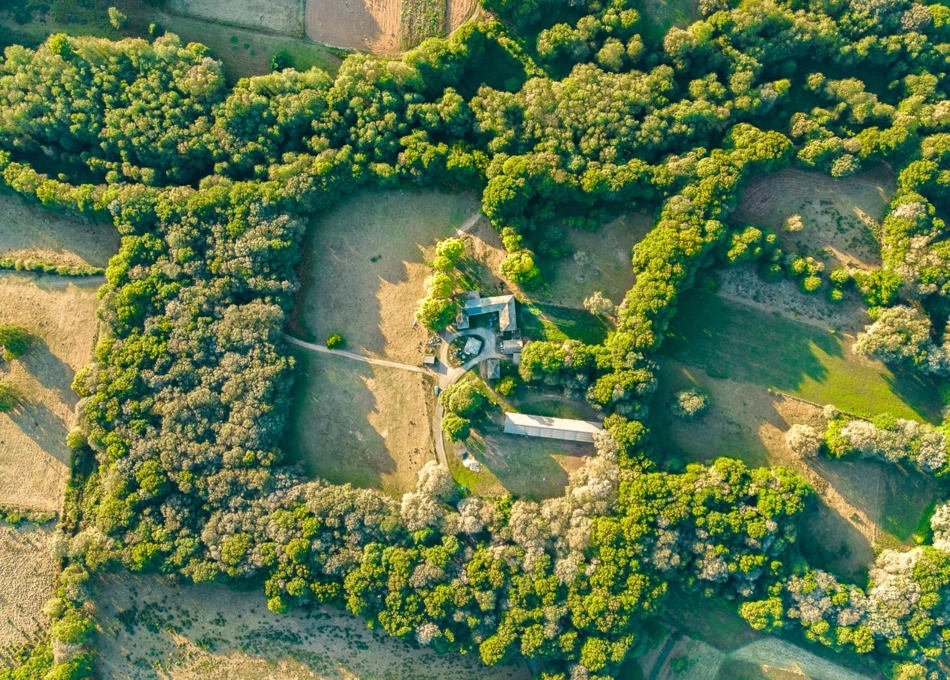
[503, 304]
[546, 427]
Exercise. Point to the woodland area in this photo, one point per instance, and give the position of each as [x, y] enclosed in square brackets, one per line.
[561, 115]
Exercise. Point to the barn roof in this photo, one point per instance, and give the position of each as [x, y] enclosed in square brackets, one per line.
[524, 423]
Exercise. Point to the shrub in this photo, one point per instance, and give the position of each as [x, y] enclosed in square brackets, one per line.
[456, 427]
[506, 385]
[689, 403]
[334, 341]
[804, 440]
[14, 340]
[281, 60]
[9, 399]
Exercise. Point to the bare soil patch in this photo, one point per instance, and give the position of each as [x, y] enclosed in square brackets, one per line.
[154, 628]
[861, 505]
[369, 25]
[27, 574]
[61, 314]
[278, 16]
[841, 218]
[364, 269]
[367, 425]
[29, 232]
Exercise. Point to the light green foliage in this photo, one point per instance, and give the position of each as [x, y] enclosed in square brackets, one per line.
[335, 341]
[456, 427]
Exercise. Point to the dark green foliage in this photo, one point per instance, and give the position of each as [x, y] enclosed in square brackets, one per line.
[184, 409]
[9, 399]
[14, 340]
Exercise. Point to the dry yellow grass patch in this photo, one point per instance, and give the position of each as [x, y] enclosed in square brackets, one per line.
[28, 231]
[27, 573]
[368, 425]
[155, 629]
[364, 269]
[61, 315]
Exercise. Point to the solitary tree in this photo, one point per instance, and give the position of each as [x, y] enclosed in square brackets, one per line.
[14, 340]
[599, 305]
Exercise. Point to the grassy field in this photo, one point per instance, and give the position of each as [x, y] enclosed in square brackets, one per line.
[29, 232]
[353, 422]
[744, 343]
[277, 16]
[421, 19]
[155, 628]
[861, 505]
[364, 268]
[61, 315]
[525, 467]
[541, 321]
[841, 217]
[28, 569]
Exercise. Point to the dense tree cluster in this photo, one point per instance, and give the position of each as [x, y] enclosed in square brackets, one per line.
[178, 461]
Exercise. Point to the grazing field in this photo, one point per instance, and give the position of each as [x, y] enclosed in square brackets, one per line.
[525, 467]
[277, 16]
[155, 628]
[364, 269]
[244, 52]
[421, 19]
[840, 218]
[729, 339]
[27, 572]
[717, 624]
[367, 425]
[601, 262]
[861, 505]
[61, 315]
[30, 233]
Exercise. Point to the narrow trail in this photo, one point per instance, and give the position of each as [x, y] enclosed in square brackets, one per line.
[323, 349]
[469, 224]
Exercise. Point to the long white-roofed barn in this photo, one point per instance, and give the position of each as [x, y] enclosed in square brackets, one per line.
[545, 427]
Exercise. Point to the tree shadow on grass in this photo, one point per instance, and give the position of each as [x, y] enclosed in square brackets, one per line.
[329, 432]
[51, 371]
[919, 392]
[830, 541]
[44, 427]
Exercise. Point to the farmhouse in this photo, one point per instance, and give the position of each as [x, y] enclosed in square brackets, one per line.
[545, 427]
[503, 305]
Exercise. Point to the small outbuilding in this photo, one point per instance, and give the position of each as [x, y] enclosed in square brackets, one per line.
[545, 427]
